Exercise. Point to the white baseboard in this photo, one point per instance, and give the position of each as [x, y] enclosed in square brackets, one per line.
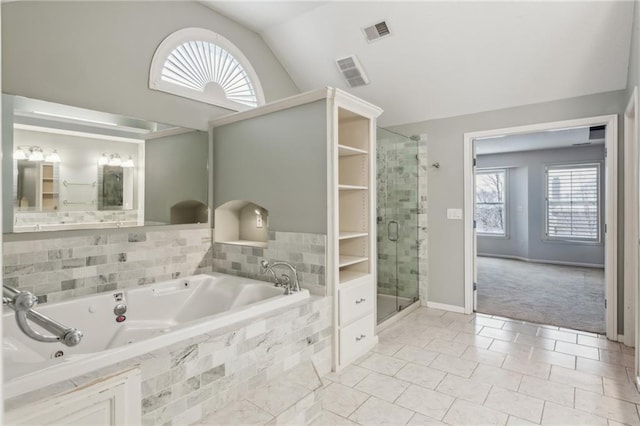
[445, 307]
[620, 338]
[549, 262]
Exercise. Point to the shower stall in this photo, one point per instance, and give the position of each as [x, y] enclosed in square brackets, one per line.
[397, 222]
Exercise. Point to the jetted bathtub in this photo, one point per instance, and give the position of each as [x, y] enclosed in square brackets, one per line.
[157, 315]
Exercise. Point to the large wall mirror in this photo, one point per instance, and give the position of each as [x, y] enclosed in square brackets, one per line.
[80, 169]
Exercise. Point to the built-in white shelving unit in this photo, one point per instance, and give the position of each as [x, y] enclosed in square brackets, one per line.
[349, 144]
[354, 174]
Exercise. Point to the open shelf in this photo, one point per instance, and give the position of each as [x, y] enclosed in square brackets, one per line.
[346, 276]
[347, 151]
[350, 260]
[344, 235]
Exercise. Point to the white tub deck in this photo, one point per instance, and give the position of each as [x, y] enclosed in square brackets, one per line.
[157, 316]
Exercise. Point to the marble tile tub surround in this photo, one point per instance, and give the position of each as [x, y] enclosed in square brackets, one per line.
[186, 382]
[64, 268]
[307, 252]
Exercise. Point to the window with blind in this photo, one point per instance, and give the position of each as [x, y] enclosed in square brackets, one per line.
[573, 202]
[491, 217]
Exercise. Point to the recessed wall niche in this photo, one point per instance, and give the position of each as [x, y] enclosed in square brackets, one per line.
[242, 223]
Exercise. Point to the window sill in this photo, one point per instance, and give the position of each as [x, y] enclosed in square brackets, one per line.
[572, 242]
[493, 236]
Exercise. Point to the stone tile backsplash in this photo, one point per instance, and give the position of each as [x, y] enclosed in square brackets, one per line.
[63, 268]
[307, 252]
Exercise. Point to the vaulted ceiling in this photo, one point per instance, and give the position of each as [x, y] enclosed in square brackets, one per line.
[450, 58]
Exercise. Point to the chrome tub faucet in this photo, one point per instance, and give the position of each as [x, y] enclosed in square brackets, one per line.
[284, 280]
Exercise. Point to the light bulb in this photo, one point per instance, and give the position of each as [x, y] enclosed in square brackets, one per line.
[36, 154]
[128, 162]
[115, 160]
[53, 157]
[103, 160]
[19, 154]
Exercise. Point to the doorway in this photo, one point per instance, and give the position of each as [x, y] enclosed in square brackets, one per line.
[550, 227]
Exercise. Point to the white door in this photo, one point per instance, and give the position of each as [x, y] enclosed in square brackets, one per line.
[475, 236]
[631, 210]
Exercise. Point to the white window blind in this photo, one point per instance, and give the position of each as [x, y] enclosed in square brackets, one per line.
[195, 64]
[202, 65]
[573, 202]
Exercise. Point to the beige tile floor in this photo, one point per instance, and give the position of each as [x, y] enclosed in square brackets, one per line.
[435, 367]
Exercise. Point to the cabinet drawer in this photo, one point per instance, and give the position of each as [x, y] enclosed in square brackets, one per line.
[356, 300]
[356, 339]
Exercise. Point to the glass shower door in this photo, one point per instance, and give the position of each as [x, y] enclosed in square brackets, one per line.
[397, 222]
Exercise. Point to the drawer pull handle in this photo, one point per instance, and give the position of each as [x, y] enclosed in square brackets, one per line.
[358, 338]
[362, 299]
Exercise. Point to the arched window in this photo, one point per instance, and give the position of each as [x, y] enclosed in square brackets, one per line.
[202, 65]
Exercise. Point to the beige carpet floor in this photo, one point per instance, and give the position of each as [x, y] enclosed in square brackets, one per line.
[564, 296]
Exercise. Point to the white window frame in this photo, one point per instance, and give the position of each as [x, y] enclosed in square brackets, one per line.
[575, 240]
[185, 35]
[505, 201]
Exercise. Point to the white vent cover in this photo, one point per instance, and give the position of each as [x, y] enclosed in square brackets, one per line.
[352, 71]
[376, 31]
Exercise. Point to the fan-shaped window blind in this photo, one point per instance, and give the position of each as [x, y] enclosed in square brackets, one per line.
[202, 65]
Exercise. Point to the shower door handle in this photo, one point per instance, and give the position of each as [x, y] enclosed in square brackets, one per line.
[393, 230]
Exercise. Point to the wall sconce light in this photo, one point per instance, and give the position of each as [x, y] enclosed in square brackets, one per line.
[19, 154]
[53, 157]
[259, 216]
[35, 153]
[115, 160]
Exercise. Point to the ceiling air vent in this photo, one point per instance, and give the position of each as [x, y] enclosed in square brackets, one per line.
[376, 31]
[352, 71]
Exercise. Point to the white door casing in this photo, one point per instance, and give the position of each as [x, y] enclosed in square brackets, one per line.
[631, 198]
[611, 205]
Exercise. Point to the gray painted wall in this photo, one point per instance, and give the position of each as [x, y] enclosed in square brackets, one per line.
[176, 169]
[97, 55]
[445, 144]
[526, 209]
[278, 161]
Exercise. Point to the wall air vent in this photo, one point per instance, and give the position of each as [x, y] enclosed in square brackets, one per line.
[352, 71]
[376, 31]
